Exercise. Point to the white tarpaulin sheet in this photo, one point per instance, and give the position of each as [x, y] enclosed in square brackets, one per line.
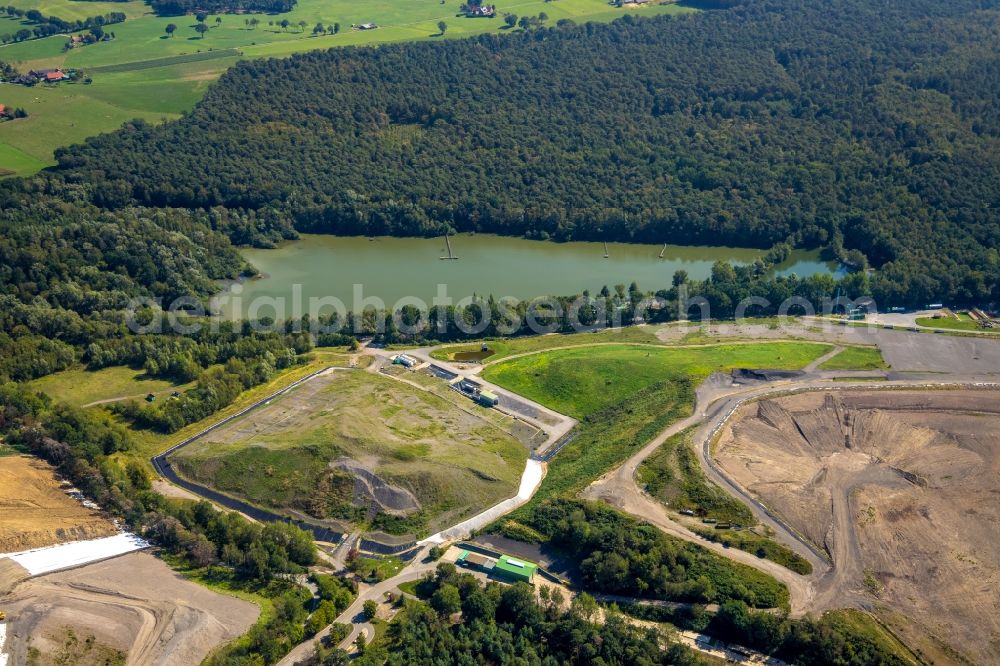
[74, 554]
[3, 639]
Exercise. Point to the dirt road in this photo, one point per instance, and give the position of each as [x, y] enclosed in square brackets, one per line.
[133, 603]
[717, 399]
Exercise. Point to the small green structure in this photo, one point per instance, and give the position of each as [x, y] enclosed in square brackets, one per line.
[476, 561]
[516, 570]
[488, 399]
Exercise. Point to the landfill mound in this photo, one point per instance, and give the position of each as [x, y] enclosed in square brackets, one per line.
[900, 488]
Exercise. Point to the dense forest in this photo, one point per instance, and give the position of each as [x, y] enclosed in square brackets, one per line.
[510, 625]
[617, 554]
[870, 128]
[181, 7]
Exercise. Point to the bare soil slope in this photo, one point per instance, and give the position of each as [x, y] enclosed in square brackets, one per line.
[133, 604]
[35, 512]
[900, 487]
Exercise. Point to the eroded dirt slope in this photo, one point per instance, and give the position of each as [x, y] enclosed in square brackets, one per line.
[35, 512]
[900, 487]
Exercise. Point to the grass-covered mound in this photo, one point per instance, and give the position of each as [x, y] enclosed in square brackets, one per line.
[357, 446]
[581, 381]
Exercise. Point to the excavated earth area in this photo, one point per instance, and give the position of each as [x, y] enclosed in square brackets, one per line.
[36, 511]
[900, 487]
[133, 604]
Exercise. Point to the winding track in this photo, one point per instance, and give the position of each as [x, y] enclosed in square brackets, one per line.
[716, 401]
[829, 585]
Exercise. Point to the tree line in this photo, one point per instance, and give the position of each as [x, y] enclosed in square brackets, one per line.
[776, 121]
[510, 624]
[43, 26]
[458, 620]
[181, 7]
[847, 637]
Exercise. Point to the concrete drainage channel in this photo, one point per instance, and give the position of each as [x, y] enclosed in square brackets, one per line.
[368, 546]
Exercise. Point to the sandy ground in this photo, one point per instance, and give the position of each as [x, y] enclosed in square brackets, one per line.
[170, 490]
[134, 604]
[11, 573]
[35, 512]
[899, 487]
[904, 351]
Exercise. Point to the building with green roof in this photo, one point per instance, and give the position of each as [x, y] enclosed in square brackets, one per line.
[488, 398]
[515, 570]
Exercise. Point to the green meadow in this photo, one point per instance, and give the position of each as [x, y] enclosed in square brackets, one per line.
[154, 91]
[75, 10]
[624, 395]
[80, 386]
[580, 382]
[856, 358]
[963, 323]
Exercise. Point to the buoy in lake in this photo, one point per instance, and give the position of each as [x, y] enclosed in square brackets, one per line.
[606, 249]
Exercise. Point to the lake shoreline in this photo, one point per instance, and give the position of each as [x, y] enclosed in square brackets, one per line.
[392, 271]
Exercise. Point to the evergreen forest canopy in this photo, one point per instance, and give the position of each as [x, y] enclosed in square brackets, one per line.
[872, 128]
[181, 7]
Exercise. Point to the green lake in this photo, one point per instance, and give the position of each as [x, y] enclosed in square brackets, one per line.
[391, 269]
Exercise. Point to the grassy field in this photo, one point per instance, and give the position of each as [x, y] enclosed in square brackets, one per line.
[673, 476]
[374, 570]
[856, 358]
[73, 10]
[963, 323]
[15, 161]
[148, 443]
[443, 463]
[501, 349]
[859, 622]
[624, 396]
[579, 382]
[66, 114]
[81, 387]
